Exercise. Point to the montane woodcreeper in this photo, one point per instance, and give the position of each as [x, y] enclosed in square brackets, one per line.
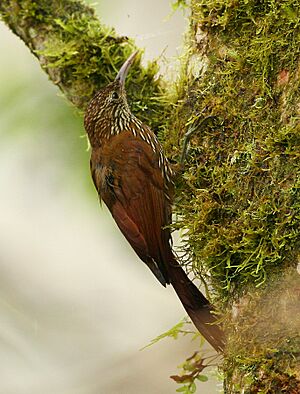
[134, 179]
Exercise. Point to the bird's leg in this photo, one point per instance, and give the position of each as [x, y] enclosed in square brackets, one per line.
[186, 141]
[193, 128]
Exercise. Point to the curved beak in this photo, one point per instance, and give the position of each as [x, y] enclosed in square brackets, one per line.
[121, 76]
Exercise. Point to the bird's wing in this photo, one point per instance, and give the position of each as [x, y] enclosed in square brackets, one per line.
[128, 178]
[133, 188]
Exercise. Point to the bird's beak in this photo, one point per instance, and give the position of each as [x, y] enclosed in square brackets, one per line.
[124, 69]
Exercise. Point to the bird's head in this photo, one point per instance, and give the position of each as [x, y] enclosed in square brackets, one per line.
[110, 102]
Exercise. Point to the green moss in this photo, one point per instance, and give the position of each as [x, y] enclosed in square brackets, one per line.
[269, 373]
[80, 54]
[238, 200]
[238, 197]
[262, 355]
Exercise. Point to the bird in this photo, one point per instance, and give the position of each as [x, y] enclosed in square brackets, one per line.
[134, 179]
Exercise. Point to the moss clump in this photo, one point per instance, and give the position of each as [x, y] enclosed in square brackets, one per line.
[81, 55]
[263, 343]
[239, 197]
[269, 374]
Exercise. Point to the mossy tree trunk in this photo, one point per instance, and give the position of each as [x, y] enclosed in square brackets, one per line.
[239, 197]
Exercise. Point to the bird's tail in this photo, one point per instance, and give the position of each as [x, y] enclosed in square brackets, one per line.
[196, 305]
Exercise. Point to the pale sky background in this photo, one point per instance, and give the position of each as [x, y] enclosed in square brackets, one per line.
[76, 304]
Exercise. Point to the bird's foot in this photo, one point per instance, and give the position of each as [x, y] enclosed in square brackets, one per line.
[193, 128]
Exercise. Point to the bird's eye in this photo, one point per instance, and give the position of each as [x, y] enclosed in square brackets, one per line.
[115, 96]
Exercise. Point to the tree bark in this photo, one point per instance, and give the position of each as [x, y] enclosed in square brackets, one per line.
[238, 199]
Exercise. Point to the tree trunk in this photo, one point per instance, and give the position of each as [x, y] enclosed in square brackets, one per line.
[239, 197]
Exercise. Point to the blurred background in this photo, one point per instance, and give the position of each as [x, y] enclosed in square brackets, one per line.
[76, 304]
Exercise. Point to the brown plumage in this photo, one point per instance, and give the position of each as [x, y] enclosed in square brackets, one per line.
[133, 178]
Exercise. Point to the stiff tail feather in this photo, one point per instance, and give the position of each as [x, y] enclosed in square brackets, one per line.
[197, 306]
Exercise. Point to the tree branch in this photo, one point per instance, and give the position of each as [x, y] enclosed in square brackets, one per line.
[78, 52]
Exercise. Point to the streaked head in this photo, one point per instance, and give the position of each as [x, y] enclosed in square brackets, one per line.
[109, 101]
